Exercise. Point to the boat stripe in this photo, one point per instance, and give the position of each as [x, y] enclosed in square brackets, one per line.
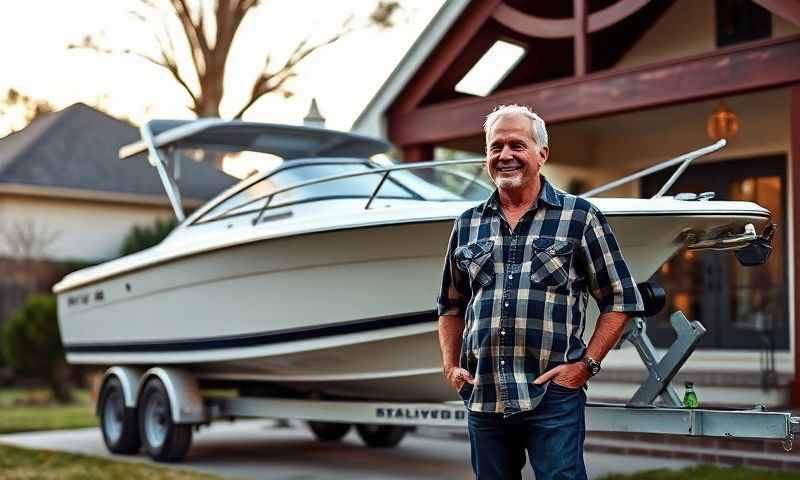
[266, 338]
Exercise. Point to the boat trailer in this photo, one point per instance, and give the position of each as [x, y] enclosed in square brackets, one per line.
[654, 408]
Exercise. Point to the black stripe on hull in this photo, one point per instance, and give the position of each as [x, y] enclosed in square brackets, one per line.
[254, 340]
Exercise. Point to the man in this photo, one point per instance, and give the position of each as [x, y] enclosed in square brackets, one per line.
[517, 276]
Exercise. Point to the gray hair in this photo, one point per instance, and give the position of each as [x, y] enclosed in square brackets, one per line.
[538, 131]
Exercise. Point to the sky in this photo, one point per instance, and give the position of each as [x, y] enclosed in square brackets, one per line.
[34, 35]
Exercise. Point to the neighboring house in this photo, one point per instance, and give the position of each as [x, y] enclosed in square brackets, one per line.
[65, 196]
[623, 85]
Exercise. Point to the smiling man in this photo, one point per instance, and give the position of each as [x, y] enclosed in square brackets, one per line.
[517, 276]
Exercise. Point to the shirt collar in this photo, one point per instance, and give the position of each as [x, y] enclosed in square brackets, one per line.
[547, 194]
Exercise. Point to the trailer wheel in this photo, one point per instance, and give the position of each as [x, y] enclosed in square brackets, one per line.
[329, 431]
[381, 436]
[163, 440]
[117, 423]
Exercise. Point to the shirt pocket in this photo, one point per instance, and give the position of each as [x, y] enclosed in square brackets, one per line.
[477, 260]
[550, 261]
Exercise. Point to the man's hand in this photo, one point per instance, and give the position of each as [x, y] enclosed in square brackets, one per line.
[457, 377]
[570, 375]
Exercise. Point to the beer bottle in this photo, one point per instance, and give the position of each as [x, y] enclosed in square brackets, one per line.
[689, 397]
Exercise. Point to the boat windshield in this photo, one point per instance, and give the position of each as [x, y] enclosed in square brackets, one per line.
[427, 184]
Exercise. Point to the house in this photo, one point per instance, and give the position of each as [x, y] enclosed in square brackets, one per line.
[66, 197]
[625, 84]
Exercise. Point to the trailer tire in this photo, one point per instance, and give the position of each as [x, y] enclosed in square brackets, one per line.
[118, 423]
[329, 431]
[381, 436]
[163, 439]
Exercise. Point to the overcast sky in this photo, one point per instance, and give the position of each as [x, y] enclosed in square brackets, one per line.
[343, 76]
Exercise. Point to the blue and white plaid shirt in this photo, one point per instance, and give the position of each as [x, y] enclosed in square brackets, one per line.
[523, 293]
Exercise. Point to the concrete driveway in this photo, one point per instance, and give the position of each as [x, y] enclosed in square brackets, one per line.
[260, 449]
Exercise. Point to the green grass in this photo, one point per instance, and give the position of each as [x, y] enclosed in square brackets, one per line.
[31, 410]
[706, 473]
[21, 463]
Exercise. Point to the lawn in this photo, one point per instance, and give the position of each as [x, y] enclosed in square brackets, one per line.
[706, 473]
[27, 410]
[22, 463]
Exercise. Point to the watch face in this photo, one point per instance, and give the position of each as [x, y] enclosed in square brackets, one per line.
[594, 367]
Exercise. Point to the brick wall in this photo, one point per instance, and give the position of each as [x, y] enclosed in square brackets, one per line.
[753, 453]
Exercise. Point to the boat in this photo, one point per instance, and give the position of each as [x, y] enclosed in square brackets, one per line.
[317, 278]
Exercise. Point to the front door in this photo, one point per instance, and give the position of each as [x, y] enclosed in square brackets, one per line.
[742, 307]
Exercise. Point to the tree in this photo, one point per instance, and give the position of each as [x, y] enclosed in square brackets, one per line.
[140, 238]
[31, 343]
[209, 33]
[26, 108]
[25, 239]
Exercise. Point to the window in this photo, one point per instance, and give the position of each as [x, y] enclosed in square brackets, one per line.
[491, 69]
[253, 198]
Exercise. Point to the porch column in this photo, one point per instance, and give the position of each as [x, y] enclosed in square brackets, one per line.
[417, 153]
[794, 152]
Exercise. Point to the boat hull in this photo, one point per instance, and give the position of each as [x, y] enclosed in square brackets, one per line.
[345, 313]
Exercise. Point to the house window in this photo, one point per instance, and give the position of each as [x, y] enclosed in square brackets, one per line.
[741, 21]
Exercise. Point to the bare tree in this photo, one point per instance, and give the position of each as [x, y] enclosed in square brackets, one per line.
[209, 33]
[26, 240]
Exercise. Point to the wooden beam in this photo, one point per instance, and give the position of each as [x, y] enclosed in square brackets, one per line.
[456, 40]
[581, 9]
[734, 70]
[539, 27]
[794, 152]
[790, 10]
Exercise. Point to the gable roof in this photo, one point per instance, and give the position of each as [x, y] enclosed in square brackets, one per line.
[455, 14]
[76, 149]
[370, 121]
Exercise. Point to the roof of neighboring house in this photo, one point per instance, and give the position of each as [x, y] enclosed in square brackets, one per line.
[370, 121]
[78, 149]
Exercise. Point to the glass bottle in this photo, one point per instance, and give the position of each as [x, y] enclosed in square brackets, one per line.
[689, 397]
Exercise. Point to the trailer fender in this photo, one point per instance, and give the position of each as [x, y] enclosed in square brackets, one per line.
[129, 379]
[185, 399]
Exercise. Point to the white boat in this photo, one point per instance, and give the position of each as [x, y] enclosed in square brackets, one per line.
[319, 277]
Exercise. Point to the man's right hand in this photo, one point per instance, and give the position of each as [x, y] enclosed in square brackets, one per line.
[457, 377]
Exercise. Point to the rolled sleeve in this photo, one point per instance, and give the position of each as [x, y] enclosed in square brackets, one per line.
[454, 291]
[610, 280]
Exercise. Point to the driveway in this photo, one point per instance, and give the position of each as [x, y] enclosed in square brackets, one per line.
[261, 449]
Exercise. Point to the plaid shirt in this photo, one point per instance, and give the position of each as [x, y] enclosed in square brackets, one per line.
[523, 293]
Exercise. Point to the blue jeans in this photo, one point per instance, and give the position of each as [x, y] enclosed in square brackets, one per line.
[552, 434]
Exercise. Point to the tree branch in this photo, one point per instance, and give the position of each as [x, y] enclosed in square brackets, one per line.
[263, 85]
[195, 35]
[166, 62]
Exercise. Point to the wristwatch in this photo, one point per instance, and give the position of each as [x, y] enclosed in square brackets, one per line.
[592, 365]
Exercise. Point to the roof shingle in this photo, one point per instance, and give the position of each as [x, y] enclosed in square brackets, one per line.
[77, 148]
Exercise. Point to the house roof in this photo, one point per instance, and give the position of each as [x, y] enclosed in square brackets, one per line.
[76, 149]
[370, 121]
